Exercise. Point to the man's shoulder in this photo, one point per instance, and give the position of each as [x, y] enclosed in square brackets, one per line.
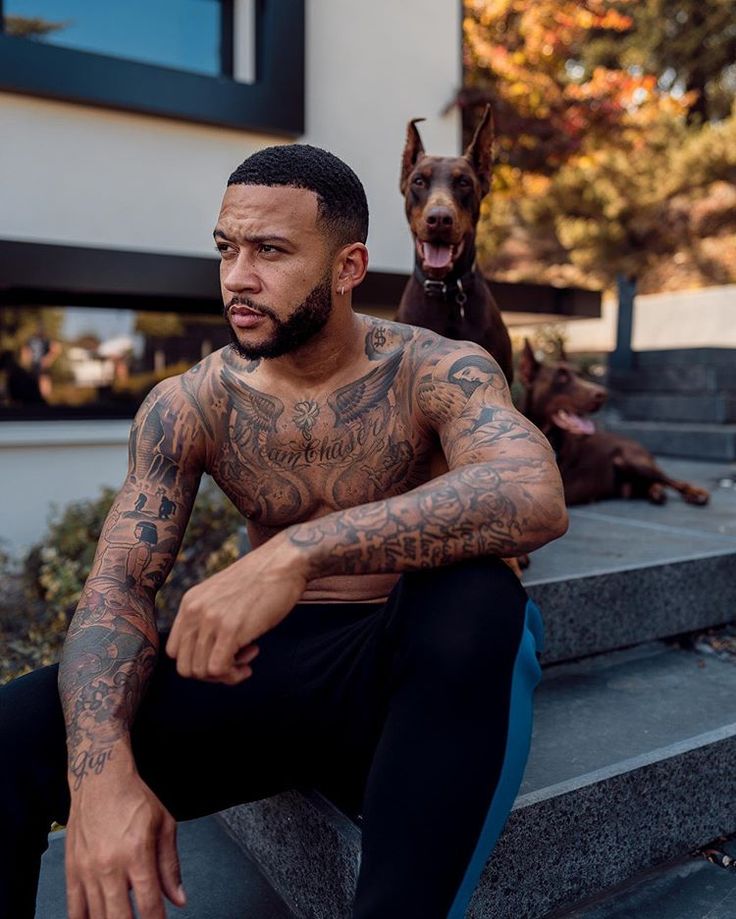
[384, 336]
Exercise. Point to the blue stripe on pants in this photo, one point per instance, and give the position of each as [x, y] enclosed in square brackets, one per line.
[526, 675]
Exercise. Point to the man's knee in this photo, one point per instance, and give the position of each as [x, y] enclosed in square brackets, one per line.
[464, 620]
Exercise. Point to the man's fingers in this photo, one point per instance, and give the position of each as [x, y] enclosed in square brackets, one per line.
[168, 865]
[201, 653]
[245, 655]
[147, 892]
[113, 895]
[222, 655]
[76, 902]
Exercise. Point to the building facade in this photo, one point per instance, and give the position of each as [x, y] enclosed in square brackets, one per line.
[117, 143]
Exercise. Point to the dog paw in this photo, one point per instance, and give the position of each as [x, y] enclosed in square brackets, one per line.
[698, 496]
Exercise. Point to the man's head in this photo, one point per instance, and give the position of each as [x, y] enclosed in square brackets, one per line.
[342, 207]
[291, 235]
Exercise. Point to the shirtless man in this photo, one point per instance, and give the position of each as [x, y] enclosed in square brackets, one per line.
[371, 642]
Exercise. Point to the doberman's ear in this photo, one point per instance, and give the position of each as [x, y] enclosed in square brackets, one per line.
[528, 364]
[480, 150]
[413, 149]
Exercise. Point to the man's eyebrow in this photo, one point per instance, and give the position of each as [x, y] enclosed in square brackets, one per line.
[256, 237]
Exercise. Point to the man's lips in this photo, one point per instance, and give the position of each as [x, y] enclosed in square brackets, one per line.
[243, 317]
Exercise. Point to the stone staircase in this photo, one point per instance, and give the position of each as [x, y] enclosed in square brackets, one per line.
[632, 761]
[635, 736]
[678, 403]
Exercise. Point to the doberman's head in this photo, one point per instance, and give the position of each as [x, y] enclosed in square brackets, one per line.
[443, 196]
[557, 397]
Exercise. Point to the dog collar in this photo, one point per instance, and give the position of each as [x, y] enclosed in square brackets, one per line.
[450, 289]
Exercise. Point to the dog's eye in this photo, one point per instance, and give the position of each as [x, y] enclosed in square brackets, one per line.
[418, 182]
[464, 181]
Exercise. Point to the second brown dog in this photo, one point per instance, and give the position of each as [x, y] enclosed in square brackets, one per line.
[594, 464]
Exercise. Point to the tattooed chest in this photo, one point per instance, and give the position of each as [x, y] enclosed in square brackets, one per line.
[308, 463]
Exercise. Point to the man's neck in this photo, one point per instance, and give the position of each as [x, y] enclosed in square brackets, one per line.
[329, 354]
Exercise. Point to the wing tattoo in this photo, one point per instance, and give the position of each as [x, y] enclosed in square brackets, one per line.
[259, 411]
[353, 400]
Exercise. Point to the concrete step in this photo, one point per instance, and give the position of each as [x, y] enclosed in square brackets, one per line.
[689, 888]
[629, 571]
[686, 439]
[221, 881]
[682, 378]
[712, 408]
[631, 765]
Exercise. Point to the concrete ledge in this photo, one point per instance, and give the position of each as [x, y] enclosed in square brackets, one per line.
[643, 792]
[618, 609]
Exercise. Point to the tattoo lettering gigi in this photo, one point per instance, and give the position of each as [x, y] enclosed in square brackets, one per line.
[87, 763]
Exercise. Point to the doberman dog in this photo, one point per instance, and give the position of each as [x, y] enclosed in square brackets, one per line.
[443, 196]
[594, 464]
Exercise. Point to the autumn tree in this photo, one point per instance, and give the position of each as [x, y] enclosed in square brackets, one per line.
[597, 174]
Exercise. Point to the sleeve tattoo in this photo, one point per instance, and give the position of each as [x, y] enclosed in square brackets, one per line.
[112, 643]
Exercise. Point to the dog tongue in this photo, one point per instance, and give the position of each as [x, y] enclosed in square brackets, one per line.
[436, 256]
[569, 421]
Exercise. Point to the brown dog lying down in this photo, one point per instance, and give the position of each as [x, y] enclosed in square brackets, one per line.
[442, 197]
[594, 464]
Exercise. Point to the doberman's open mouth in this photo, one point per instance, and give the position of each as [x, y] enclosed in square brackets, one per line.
[438, 256]
[573, 423]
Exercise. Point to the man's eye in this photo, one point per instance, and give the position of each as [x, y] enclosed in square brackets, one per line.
[223, 248]
[266, 249]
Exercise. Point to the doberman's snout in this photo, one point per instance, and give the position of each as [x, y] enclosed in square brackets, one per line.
[598, 397]
[439, 218]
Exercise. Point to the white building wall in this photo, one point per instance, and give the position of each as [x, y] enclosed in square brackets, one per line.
[81, 175]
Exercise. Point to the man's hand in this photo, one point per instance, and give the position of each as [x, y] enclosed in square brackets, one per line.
[219, 620]
[119, 837]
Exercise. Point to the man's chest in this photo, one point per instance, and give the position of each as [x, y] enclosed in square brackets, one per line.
[284, 460]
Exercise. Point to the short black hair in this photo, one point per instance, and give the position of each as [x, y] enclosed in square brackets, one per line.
[342, 205]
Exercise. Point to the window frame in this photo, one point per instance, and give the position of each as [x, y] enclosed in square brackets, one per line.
[273, 103]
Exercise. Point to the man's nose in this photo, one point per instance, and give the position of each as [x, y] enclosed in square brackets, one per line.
[240, 275]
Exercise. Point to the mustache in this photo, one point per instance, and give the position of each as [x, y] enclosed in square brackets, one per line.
[251, 304]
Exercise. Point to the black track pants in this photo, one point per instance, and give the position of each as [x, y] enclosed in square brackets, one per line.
[416, 711]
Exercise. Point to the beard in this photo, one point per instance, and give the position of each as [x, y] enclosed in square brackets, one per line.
[309, 318]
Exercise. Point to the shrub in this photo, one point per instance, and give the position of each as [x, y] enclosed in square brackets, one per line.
[56, 569]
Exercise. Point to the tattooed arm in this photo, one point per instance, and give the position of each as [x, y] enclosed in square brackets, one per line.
[502, 494]
[111, 648]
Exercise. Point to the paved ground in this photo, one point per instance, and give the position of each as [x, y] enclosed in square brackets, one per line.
[609, 535]
[221, 882]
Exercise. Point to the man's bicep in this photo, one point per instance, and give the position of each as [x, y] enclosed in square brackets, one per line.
[492, 430]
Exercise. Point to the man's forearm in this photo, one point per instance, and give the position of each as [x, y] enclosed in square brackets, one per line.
[108, 658]
[475, 510]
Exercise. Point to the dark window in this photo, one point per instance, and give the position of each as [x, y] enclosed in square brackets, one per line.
[86, 362]
[183, 34]
[170, 58]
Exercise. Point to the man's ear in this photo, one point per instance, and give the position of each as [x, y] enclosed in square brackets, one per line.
[413, 149]
[528, 364]
[480, 150]
[351, 265]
